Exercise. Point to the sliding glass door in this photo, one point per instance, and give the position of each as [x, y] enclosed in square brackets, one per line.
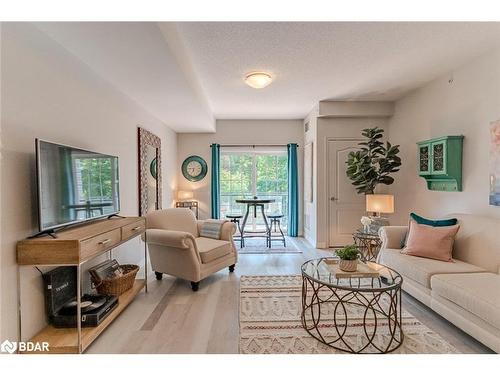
[254, 172]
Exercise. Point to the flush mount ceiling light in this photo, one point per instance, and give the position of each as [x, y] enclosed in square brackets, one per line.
[258, 80]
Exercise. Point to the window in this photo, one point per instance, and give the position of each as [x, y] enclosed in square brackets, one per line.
[245, 174]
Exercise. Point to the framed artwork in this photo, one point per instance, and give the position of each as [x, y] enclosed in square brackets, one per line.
[308, 172]
[495, 163]
[149, 171]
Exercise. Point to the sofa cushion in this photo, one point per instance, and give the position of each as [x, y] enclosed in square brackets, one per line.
[211, 249]
[430, 242]
[477, 241]
[433, 223]
[477, 293]
[419, 269]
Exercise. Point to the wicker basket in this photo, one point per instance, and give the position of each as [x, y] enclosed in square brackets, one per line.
[118, 285]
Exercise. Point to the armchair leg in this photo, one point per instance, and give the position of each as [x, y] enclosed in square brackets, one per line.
[158, 275]
[231, 268]
[195, 285]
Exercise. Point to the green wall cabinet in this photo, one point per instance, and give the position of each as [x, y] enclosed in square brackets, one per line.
[440, 162]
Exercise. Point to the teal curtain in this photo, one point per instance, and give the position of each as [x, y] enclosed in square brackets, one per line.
[293, 190]
[215, 181]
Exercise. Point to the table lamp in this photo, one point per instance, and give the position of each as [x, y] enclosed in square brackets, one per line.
[185, 200]
[184, 195]
[380, 204]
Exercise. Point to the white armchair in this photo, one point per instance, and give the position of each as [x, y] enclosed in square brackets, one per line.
[176, 248]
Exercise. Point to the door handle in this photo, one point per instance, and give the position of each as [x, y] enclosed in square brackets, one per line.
[333, 199]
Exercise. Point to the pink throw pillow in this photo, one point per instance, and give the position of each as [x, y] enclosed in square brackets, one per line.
[430, 242]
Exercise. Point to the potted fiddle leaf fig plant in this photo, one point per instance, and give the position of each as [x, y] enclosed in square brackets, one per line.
[373, 163]
[348, 258]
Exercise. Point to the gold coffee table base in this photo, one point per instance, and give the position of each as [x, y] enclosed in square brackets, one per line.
[379, 306]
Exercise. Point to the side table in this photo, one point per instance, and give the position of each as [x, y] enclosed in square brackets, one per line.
[188, 204]
[368, 244]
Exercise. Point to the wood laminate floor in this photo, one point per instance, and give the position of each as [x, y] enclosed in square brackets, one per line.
[173, 319]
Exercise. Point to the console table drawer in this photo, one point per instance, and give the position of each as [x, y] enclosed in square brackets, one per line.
[100, 243]
[133, 229]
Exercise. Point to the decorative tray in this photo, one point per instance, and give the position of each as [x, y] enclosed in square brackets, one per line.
[363, 271]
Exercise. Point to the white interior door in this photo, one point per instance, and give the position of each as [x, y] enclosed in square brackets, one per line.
[345, 206]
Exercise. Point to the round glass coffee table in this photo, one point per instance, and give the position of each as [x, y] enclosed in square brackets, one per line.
[352, 313]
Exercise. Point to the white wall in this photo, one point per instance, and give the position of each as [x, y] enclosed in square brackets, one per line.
[310, 208]
[50, 94]
[258, 132]
[465, 106]
[334, 120]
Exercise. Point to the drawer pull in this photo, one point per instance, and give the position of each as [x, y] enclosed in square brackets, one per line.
[103, 242]
[136, 228]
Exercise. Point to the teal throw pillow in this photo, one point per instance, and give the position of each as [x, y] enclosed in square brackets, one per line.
[433, 223]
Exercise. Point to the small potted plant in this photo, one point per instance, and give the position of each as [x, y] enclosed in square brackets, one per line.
[348, 258]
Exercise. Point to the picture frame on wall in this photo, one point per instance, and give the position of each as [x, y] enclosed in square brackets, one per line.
[149, 171]
[494, 167]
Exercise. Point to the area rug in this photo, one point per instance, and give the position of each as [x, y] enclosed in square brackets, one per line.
[270, 322]
[258, 246]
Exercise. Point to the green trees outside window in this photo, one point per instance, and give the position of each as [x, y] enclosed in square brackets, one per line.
[248, 174]
[94, 178]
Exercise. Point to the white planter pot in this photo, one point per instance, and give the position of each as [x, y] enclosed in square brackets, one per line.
[348, 265]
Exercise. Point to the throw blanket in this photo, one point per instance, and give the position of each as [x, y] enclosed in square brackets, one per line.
[212, 228]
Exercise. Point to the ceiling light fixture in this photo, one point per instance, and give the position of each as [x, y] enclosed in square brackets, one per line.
[258, 80]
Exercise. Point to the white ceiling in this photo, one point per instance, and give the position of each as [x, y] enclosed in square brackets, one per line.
[187, 73]
[136, 59]
[318, 61]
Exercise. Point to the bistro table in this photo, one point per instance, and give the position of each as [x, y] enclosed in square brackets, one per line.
[255, 203]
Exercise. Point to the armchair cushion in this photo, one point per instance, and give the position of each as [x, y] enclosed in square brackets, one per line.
[227, 230]
[210, 249]
[211, 228]
[170, 238]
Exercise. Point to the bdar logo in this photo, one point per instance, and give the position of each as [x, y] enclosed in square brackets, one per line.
[8, 347]
[11, 346]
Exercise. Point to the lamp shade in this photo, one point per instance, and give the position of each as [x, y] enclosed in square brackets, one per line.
[380, 203]
[184, 194]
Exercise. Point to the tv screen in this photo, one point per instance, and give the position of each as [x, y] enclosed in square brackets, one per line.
[74, 185]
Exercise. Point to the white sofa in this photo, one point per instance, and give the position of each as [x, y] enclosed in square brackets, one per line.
[465, 292]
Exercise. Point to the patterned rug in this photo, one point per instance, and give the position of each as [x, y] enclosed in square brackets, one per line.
[270, 322]
[258, 246]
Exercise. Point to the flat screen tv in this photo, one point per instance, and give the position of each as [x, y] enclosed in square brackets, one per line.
[74, 185]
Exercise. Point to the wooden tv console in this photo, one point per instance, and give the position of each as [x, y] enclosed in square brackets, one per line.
[74, 247]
